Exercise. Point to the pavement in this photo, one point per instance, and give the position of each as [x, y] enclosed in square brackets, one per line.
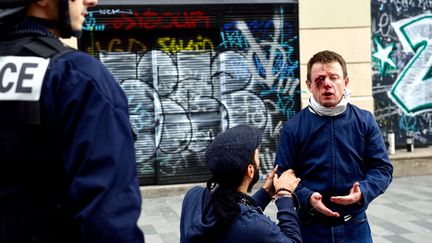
[402, 214]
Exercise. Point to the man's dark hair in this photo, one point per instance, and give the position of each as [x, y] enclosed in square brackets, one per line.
[326, 57]
[226, 201]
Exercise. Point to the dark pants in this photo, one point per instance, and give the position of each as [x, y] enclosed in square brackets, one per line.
[355, 230]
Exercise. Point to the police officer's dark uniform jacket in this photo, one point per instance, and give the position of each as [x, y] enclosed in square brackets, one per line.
[67, 165]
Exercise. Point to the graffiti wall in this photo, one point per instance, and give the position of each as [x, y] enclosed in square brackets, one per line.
[402, 68]
[190, 72]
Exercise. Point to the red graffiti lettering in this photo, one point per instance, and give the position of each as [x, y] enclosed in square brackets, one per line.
[150, 20]
[130, 23]
[199, 16]
[168, 24]
[168, 20]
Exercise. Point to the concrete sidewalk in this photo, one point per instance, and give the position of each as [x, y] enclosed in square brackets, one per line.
[403, 214]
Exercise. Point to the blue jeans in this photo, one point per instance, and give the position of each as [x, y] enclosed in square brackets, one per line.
[356, 230]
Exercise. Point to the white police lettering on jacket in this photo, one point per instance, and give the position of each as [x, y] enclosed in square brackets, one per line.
[21, 78]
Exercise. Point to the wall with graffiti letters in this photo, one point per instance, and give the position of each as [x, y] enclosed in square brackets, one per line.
[190, 72]
[402, 68]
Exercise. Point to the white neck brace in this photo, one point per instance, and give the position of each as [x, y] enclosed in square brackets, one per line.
[320, 110]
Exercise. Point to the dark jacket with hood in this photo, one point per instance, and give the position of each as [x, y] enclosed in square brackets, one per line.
[199, 223]
[70, 176]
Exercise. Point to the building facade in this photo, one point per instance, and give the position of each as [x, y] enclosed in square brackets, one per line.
[191, 69]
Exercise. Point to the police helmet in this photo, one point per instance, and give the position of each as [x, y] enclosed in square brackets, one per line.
[12, 11]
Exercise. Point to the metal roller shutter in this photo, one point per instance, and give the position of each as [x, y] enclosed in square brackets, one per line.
[191, 71]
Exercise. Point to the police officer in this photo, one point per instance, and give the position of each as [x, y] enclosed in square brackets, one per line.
[67, 159]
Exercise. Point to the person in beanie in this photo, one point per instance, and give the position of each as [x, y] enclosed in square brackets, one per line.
[223, 211]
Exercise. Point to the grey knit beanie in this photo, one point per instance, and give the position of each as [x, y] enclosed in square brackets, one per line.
[231, 152]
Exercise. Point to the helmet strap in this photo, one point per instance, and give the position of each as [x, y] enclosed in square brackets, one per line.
[64, 20]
